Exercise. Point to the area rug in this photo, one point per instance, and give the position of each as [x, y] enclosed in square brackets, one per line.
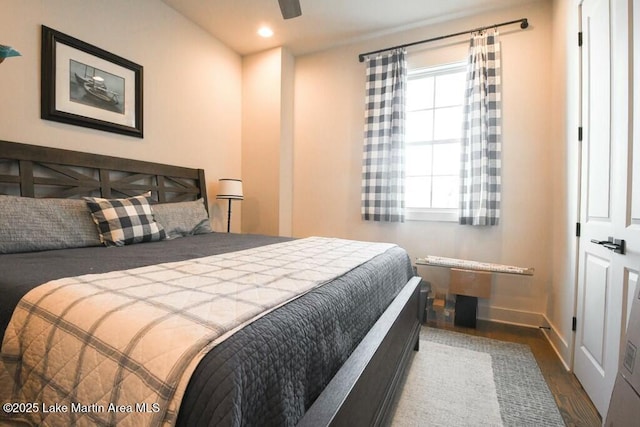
[462, 380]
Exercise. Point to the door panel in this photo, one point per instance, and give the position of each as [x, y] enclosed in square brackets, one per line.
[635, 155]
[597, 50]
[631, 287]
[595, 301]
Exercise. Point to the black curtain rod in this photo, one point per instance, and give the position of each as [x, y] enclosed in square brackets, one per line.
[523, 24]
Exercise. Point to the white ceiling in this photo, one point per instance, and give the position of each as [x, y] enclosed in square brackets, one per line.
[324, 23]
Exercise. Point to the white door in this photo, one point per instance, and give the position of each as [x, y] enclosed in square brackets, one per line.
[610, 195]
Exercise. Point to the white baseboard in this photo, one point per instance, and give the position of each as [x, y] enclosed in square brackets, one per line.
[508, 315]
[559, 344]
[531, 320]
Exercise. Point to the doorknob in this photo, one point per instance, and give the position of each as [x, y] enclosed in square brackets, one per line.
[616, 245]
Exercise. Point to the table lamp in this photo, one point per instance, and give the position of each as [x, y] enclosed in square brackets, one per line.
[230, 189]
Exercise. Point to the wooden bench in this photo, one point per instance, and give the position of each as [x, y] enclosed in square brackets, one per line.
[470, 280]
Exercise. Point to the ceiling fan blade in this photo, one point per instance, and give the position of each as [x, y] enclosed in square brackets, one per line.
[290, 8]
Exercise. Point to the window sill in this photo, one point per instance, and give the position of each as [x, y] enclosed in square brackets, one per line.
[436, 215]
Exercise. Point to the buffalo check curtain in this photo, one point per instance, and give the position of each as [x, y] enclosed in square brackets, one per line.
[383, 171]
[480, 175]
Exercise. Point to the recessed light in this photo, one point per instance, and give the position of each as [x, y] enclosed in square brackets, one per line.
[265, 32]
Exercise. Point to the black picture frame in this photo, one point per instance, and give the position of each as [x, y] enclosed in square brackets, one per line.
[84, 85]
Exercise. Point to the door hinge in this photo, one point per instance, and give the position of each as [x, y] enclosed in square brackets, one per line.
[577, 229]
[574, 324]
[579, 38]
[579, 133]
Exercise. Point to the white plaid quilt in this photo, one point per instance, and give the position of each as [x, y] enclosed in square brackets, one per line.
[120, 347]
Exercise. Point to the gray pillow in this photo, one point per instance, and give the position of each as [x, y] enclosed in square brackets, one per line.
[28, 224]
[182, 218]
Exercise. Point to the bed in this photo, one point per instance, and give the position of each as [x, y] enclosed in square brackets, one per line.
[332, 353]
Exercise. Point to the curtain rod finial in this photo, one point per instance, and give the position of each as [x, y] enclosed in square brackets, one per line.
[524, 24]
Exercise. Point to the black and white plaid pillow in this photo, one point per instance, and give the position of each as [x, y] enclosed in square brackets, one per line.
[124, 221]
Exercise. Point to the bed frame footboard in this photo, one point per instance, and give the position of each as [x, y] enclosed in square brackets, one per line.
[363, 391]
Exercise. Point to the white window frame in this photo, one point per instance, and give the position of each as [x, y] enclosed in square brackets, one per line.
[434, 214]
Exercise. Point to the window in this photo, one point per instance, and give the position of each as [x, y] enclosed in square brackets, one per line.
[435, 99]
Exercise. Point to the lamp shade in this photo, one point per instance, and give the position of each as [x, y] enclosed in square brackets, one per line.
[230, 189]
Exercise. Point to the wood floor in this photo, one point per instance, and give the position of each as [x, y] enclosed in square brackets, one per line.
[574, 404]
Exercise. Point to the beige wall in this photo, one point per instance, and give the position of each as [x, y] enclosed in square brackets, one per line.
[267, 142]
[329, 111]
[192, 85]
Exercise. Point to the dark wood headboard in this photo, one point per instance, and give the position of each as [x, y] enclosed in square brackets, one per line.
[34, 171]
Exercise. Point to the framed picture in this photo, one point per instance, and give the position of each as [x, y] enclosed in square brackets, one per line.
[84, 85]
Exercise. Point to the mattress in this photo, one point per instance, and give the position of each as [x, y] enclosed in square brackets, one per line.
[269, 372]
